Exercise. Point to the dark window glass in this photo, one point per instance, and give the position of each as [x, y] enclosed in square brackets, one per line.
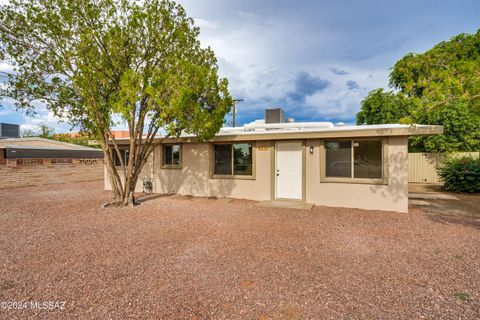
[171, 155]
[242, 159]
[338, 159]
[222, 159]
[124, 154]
[240, 164]
[167, 151]
[368, 159]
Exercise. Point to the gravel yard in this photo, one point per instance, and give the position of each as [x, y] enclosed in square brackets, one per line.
[193, 258]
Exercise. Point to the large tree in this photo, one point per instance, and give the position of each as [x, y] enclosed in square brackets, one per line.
[98, 63]
[440, 86]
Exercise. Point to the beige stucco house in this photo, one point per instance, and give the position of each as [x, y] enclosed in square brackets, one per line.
[307, 162]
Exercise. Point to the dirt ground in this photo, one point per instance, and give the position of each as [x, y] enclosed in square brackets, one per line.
[189, 258]
[465, 209]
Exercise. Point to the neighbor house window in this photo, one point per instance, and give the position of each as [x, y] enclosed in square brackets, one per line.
[233, 159]
[355, 160]
[172, 155]
[124, 154]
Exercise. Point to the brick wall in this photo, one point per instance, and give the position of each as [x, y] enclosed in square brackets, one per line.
[31, 172]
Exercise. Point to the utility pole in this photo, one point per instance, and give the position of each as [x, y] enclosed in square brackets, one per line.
[234, 110]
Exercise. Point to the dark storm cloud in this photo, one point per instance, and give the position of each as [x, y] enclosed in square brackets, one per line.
[307, 85]
[352, 85]
[338, 71]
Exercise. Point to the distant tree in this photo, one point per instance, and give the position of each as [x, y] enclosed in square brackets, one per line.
[41, 130]
[45, 131]
[100, 63]
[440, 86]
[381, 107]
[82, 139]
[27, 133]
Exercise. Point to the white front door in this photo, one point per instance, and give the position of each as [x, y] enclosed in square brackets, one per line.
[288, 170]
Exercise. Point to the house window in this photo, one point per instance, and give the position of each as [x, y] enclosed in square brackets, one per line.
[338, 159]
[367, 157]
[354, 160]
[233, 159]
[124, 154]
[172, 155]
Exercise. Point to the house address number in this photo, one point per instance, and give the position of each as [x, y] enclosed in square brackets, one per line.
[263, 148]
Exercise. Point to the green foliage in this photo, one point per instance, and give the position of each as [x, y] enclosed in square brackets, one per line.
[41, 130]
[461, 129]
[461, 174]
[440, 86]
[102, 63]
[45, 131]
[89, 61]
[81, 139]
[462, 296]
[381, 107]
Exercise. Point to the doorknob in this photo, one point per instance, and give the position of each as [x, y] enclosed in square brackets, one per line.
[278, 172]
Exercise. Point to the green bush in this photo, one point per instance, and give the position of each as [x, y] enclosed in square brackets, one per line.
[461, 174]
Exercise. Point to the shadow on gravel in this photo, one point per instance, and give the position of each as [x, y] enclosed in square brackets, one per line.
[453, 219]
[465, 211]
[149, 197]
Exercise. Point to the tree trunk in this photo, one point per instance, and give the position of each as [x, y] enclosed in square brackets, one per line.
[123, 183]
[123, 188]
[128, 199]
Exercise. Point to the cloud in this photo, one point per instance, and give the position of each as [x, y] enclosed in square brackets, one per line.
[261, 46]
[205, 24]
[352, 85]
[338, 71]
[307, 85]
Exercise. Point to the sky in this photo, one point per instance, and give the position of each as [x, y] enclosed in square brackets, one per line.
[315, 59]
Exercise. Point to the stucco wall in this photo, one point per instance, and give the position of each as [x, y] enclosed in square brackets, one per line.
[194, 178]
[391, 197]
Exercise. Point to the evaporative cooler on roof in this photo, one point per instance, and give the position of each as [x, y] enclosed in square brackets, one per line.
[9, 130]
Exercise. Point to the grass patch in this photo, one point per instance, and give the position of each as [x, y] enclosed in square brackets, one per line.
[6, 284]
[463, 296]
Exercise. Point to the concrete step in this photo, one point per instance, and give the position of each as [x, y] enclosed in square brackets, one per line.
[286, 204]
[432, 196]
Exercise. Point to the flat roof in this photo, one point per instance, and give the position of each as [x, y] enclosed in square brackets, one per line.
[40, 143]
[311, 131]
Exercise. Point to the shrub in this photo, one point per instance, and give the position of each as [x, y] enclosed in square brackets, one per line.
[461, 174]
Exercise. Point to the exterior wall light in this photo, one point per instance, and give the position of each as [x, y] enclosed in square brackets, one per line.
[311, 149]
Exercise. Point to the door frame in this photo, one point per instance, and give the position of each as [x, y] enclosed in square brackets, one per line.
[273, 156]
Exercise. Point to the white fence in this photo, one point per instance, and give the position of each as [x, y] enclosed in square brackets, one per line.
[422, 166]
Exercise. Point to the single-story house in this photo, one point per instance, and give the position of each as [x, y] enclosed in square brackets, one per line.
[307, 162]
